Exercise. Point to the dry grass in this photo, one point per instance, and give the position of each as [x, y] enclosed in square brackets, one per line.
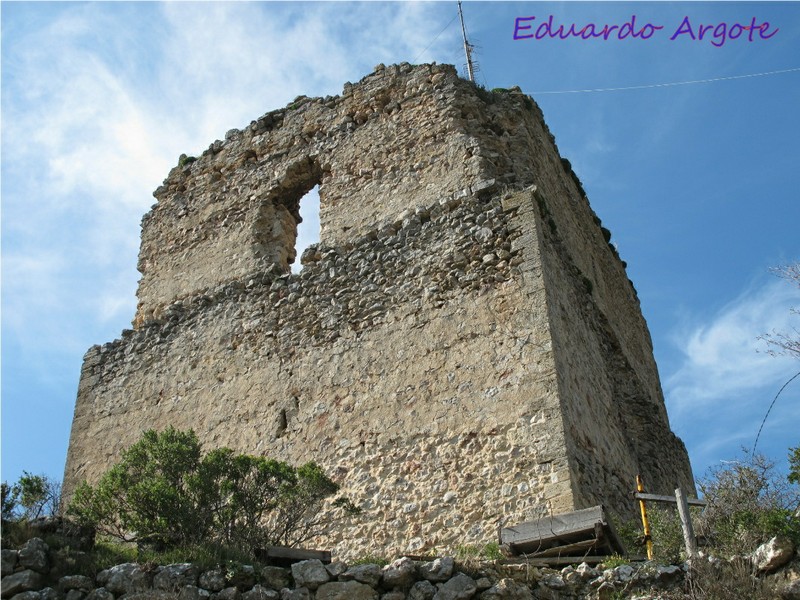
[714, 579]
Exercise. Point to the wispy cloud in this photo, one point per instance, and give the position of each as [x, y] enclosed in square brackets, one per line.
[34, 275]
[724, 357]
[722, 388]
[99, 100]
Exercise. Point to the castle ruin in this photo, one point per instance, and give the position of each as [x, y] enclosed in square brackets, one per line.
[462, 349]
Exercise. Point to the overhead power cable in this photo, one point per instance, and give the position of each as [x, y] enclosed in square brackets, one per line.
[659, 85]
[770, 409]
[436, 38]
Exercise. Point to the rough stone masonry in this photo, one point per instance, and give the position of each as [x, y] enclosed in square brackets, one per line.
[462, 349]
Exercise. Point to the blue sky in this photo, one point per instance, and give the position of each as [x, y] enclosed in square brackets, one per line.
[698, 183]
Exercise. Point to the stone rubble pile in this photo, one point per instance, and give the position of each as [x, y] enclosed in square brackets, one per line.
[27, 576]
[30, 574]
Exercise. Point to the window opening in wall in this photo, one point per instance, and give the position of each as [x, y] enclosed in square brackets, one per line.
[308, 229]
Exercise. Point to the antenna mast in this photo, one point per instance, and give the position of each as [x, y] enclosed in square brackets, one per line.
[467, 45]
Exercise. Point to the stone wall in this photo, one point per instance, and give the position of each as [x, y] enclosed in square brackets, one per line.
[462, 349]
[36, 573]
[402, 135]
[414, 379]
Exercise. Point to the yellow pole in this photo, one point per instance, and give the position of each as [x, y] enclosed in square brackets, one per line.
[645, 523]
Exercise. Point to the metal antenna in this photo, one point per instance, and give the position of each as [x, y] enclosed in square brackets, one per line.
[467, 45]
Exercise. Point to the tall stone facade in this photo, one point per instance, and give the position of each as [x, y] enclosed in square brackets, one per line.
[461, 350]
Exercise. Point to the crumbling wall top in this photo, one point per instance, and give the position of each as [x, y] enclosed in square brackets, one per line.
[401, 138]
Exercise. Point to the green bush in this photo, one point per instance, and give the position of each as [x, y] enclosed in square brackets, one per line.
[184, 160]
[165, 494]
[10, 498]
[615, 560]
[471, 555]
[528, 102]
[794, 465]
[369, 559]
[667, 534]
[31, 497]
[748, 503]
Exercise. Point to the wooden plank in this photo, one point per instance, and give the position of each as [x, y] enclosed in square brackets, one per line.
[686, 523]
[420, 557]
[669, 499]
[614, 545]
[555, 561]
[559, 531]
[566, 550]
[281, 555]
[554, 527]
[564, 560]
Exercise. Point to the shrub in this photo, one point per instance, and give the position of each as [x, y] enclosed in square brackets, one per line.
[33, 496]
[151, 495]
[794, 465]
[665, 532]
[528, 102]
[748, 503]
[184, 160]
[482, 92]
[490, 551]
[369, 559]
[164, 494]
[615, 560]
[37, 496]
[9, 501]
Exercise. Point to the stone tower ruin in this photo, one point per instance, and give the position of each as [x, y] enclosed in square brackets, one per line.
[462, 349]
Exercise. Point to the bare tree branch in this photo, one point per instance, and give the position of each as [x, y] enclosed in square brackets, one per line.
[783, 343]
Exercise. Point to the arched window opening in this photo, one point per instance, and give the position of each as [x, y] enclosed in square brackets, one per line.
[287, 221]
[308, 228]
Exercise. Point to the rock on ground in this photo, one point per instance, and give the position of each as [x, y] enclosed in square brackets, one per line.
[23, 581]
[460, 587]
[438, 570]
[310, 574]
[773, 554]
[346, 590]
[34, 555]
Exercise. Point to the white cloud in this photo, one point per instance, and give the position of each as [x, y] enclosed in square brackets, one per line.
[37, 301]
[94, 130]
[100, 100]
[723, 359]
[719, 395]
[34, 274]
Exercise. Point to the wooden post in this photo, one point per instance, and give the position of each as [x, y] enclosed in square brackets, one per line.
[645, 523]
[686, 523]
